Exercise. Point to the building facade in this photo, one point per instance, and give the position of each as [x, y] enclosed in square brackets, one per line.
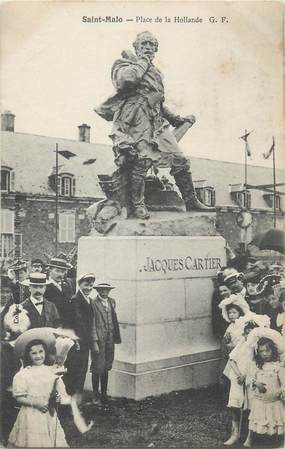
[28, 191]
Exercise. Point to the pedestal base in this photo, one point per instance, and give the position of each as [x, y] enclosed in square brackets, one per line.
[163, 294]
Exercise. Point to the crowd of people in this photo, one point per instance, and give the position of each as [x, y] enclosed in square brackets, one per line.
[248, 317]
[48, 332]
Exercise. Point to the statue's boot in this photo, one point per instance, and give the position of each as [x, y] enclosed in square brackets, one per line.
[137, 196]
[184, 183]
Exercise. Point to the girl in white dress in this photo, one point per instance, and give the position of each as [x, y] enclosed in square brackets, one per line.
[37, 388]
[267, 381]
[232, 309]
[238, 367]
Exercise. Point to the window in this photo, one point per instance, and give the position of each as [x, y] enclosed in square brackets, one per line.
[269, 199]
[7, 179]
[7, 221]
[66, 185]
[66, 227]
[206, 195]
[242, 198]
[7, 233]
[7, 245]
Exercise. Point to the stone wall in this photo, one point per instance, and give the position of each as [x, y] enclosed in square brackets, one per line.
[35, 220]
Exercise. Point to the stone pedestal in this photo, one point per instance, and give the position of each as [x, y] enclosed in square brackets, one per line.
[163, 294]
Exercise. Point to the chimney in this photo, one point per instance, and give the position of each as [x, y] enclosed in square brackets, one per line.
[84, 133]
[7, 121]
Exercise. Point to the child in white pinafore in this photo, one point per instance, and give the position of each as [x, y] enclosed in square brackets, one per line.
[267, 381]
[237, 369]
[34, 387]
[232, 309]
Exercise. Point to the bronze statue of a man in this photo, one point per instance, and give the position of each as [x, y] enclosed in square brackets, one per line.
[141, 136]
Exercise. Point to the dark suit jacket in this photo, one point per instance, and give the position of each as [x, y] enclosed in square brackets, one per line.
[48, 318]
[82, 318]
[62, 301]
[99, 327]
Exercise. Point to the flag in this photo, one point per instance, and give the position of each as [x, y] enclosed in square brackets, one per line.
[244, 137]
[89, 162]
[268, 154]
[67, 154]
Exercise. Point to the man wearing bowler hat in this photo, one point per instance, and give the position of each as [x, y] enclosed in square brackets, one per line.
[42, 313]
[77, 362]
[105, 334]
[59, 291]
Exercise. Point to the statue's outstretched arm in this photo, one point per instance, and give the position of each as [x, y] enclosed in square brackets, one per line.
[174, 119]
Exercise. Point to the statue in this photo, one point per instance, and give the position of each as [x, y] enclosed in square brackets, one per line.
[140, 134]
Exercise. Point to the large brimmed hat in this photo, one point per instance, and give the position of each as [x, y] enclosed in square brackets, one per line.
[36, 279]
[56, 262]
[87, 277]
[103, 285]
[268, 281]
[39, 333]
[265, 332]
[233, 300]
[260, 320]
[256, 271]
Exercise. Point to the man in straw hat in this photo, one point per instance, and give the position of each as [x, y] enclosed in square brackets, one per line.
[59, 291]
[105, 334]
[42, 313]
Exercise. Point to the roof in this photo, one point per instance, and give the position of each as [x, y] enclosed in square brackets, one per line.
[221, 174]
[33, 159]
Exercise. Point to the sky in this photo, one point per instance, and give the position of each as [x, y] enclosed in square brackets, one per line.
[55, 69]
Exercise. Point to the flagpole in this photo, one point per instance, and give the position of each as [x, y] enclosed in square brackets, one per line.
[274, 185]
[56, 198]
[245, 163]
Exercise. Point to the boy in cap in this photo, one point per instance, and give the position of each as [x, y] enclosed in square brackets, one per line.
[105, 334]
[77, 362]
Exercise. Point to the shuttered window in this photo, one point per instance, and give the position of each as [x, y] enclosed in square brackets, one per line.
[7, 180]
[66, 227]
[66, 185]
[7, 233]
[7, 221]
